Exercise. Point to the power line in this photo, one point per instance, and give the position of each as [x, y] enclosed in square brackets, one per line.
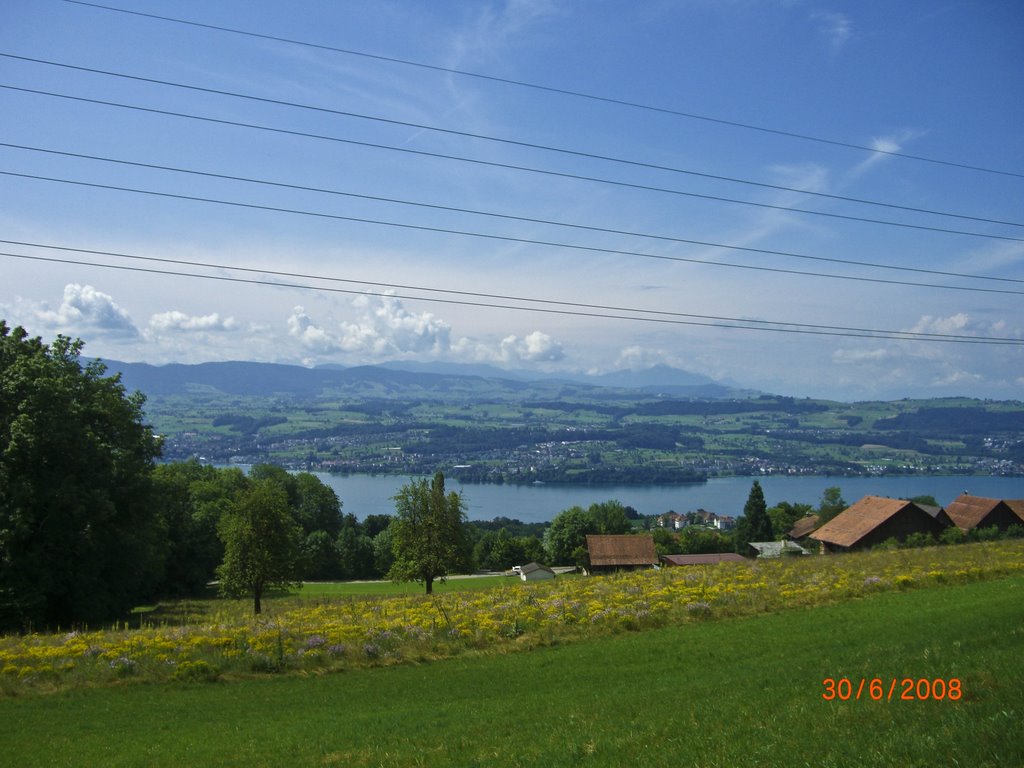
[499, 215]
[451, 209]
[559, 91]
[553, 244]
[573, 176]
[448, 131]
[564, 307]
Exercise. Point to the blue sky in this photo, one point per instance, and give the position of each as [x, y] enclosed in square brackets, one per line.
[935, 80]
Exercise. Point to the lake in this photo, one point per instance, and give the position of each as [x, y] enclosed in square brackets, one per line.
[364, 495]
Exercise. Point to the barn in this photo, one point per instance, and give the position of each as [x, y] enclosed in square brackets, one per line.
[969, 512]
[621, 552]
[875, 519]
[705, 559]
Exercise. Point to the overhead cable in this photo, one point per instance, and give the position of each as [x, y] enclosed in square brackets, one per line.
[554, 306]
[559, 91]
[573, 176]
[508, 238]
[451, 209]
[391, 121]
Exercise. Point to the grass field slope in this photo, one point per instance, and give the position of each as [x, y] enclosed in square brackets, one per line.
[921, 670]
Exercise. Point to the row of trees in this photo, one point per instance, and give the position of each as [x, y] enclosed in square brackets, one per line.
[79, 539]
[90, 527]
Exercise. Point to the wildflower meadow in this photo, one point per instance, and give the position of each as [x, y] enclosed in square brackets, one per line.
[219, 639]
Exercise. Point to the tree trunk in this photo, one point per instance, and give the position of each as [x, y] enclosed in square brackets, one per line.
[256, 607]
[430, 585]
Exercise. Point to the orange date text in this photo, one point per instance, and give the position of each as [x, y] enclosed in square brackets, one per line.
[892, 689]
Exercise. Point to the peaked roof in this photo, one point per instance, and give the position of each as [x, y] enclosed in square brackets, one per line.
[531, 567]
[857, 521]
[622, 549]
[803, 527]
[708, 559]
[968, 511]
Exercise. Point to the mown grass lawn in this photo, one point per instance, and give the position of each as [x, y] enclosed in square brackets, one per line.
[732, 692]
[367, 588]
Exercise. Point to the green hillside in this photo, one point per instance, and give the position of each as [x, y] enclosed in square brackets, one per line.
[740, 692]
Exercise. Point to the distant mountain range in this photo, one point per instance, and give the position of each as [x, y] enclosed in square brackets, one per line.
[392, 379]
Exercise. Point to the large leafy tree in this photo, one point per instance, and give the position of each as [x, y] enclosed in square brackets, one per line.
[832, 503]
[79, 538]
[428, 533]
[565, 540]
[262, 543]
[784, 515]
[191, 498]
[610, 517]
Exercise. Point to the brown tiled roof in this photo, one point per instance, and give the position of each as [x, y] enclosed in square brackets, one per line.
[621, 550]
[720, 557]
[857, 521]
[967, 511]
[803, 527]
[1017, 505]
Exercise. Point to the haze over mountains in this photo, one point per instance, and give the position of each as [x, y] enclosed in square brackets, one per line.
[264, 379]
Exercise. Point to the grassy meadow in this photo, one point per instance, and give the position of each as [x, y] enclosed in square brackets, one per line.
[714, 666]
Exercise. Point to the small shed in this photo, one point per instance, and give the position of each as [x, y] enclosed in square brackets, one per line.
[621, 552]
[535, 572]
[803, 528]
[875, 519]
[766, 550]
[706, 559]
[969, 512]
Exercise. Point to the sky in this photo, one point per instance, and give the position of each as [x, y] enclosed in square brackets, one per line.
[816, 199]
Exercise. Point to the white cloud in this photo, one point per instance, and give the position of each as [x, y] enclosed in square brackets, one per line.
[883, 148]
[958, 324]
[836, 28]
[637, 358]
[383, 328]
[492, 32]
[84, 308]
[856, 356]
[387, 328]
[175, 321]
[312, 337]
[535, 348]
[962, 324]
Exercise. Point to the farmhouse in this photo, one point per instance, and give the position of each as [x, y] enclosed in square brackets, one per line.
[535, 572]
[621, 552]
[969, 512]
[708, 559]
[873, 520]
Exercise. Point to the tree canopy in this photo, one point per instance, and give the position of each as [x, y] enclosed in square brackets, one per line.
[428, 533]
[755, 525]
[832, 503]
[79, 538]
[262, 543]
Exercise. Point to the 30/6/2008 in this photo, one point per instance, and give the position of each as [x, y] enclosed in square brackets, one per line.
[900, 689]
